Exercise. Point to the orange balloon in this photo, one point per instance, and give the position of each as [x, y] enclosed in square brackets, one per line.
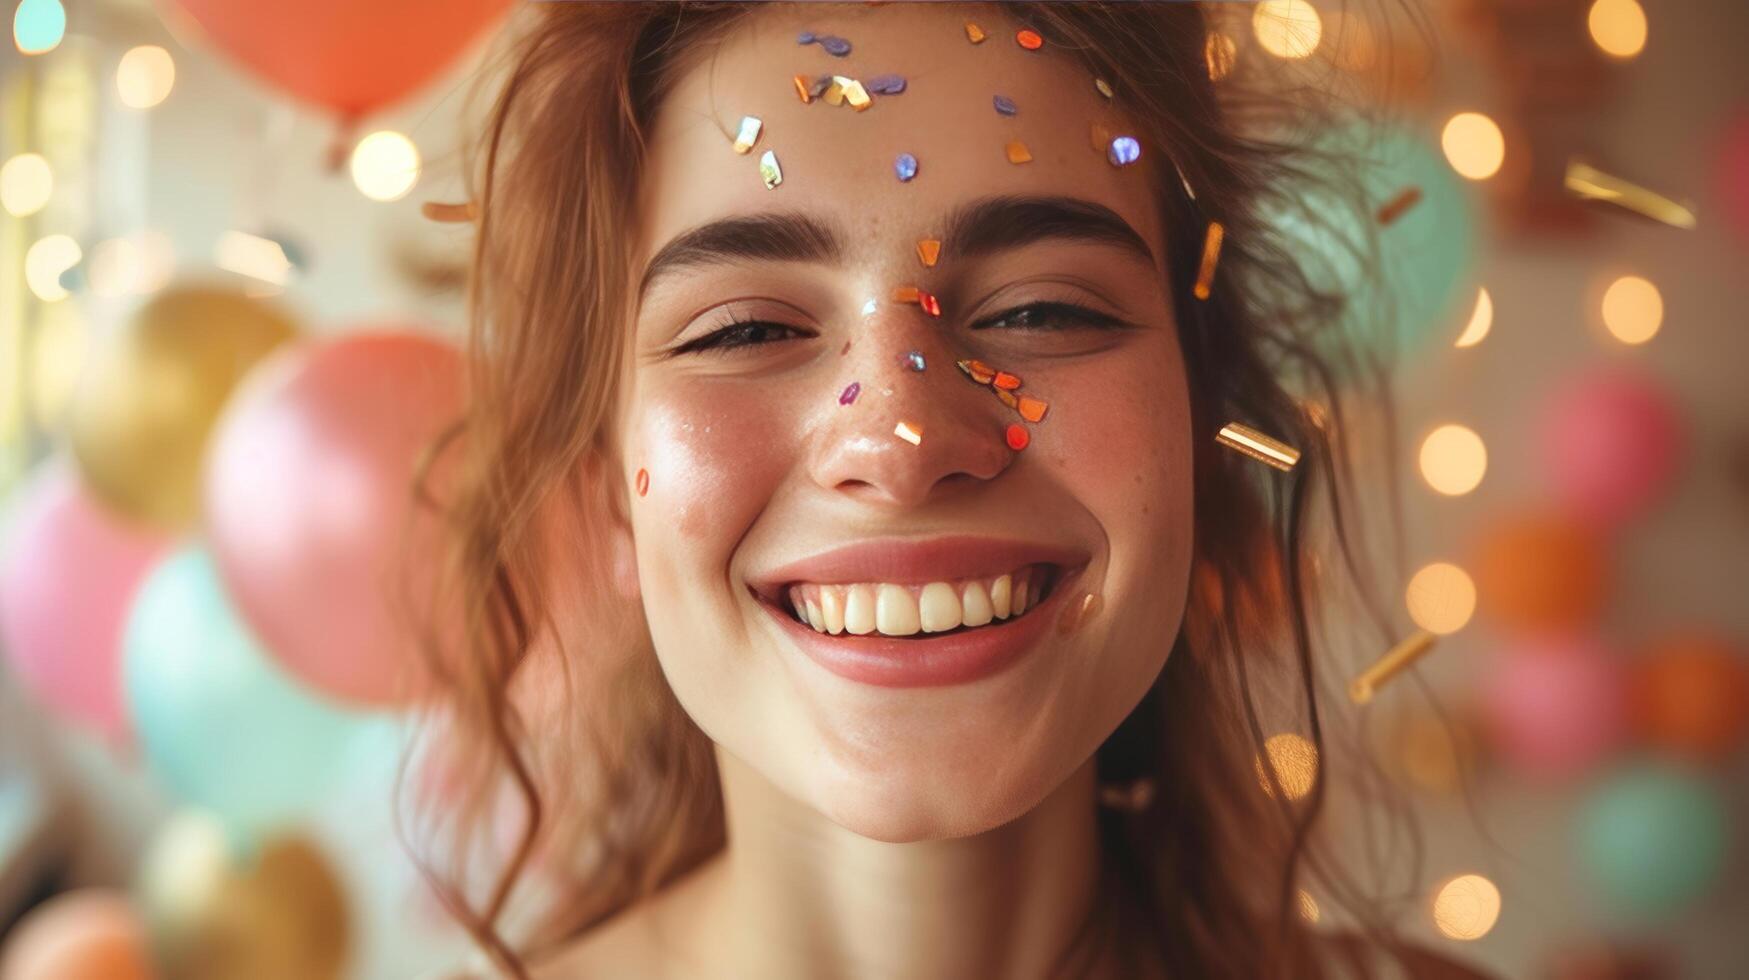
[1540, 572]
[1691, 696]
[347, 55]
[88, 934]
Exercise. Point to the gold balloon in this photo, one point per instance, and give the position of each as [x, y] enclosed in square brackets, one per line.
[278, 914]
[143, 411]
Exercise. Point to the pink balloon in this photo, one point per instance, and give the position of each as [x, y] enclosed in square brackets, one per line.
[67, 577]
[1555, 707]
[308, 489]
[1612, 441]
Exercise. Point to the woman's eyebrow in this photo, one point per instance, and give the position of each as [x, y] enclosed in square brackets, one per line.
[781, 237]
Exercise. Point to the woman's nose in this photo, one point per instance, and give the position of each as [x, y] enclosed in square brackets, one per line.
[909, 435]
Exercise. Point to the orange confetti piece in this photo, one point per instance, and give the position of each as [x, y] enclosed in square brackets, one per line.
[1032, 409]
[1029, 40]
[974, 33]
[905, 294]
[928, 250]
[802, 89]
[1394, 208]
[1018, 153]
[438, 211]
[1101, 137]
[911, 432]
[1006, 381]
[643, 482]
[1211, 254]
[982, 373]
[1017, 437]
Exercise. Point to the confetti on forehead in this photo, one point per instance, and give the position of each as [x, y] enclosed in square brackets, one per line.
[1005, 105]
[837, 47]
[913, 359]
[905, 167]
[885, 84]
[1018, 153]
[802, 90]
[769, 171]
[974, 33]
[1029, 39]
[1124, 151]
[928, 250]
[749, 135]
[805, 37]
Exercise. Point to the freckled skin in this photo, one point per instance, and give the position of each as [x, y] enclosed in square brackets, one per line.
[754, 463]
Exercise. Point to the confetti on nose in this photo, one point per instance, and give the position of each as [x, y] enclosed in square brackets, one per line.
[905, 294]
[850, 392]
[749, 135]
[1017, 436]
[1032, 409]
[1211, 256]
[1124, 151]
[1006, 381]
[802, 91]
[769, 171]
[1103, 87]
[805, 37]
[911, 432]
[1018, 153]
[643, 482]
[914, 360]
[1005, 105]
[905, 167]
[930, 304]
[928, 250]
[1030, 40]
[974, 33]
[1395, 208]
[885, 84]
[1258, 446]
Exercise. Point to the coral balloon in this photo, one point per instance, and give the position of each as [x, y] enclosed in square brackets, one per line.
[1691, 696]
[1538, 573]
[89, 934]
[1555, 708]
[309, 490]
[67, 576]
[1611, 442]
[1733, 174]
[145, 406]
[1653, 838]
[348, 56]
[221, 724]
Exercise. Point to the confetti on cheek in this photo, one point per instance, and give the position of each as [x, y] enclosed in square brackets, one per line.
[1397, 206]
[1032, 409]
[1018, 153]
[1189, 191]
[885, 84]
[1017, 436]
[1395, 660]
[905, 167]
[928, 250]
[1100, 137]
[1030, 40]
[749, 135]
[849, 393]
[769, 171]
[1102, 87]
[974, 33]
[643, 482]
[1124, 151]
[1246, 440]
[1211, 257]
[914, 360]
[930, 304]
[1005, 105]
[1006, 397]
[978, 371]
[1006, 381]
[911, 432]
[837, 47]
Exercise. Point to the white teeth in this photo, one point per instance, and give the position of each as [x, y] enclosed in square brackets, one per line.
[1020, 597]
[1001, 594]
[977, 605]
[859, 609]
[938, 607]
[814, 618]
[832, 609]
[896, 611]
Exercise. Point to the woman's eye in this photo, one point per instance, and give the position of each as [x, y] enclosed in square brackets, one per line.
[744, 333]
[1048, 316]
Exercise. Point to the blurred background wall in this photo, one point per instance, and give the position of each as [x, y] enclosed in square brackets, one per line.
[189, 748]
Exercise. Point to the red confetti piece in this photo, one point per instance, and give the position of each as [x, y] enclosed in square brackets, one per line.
[643, 482]
[1030, 40]
[930, 304]
[1017, 436]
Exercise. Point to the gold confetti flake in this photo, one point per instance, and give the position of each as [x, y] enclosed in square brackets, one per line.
[1395, 660]
[1211, 256]
[749, 135]
[854, 93]
[974, 33]
[911, 432]
[449, 213]
[769, 171]
[1103, 87]
[1018, 153]
[905, 294]
[928, 250]
[1101, 137]
[1006, 397]
[1591, 184]
[1258, 446]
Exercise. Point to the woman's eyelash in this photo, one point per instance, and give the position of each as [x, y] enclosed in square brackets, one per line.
[737, 333]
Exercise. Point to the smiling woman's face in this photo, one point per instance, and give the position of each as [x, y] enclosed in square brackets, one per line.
[897, 715]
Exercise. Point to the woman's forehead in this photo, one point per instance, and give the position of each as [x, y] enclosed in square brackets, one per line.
[842, 163]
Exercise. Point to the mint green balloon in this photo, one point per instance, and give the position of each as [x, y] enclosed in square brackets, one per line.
[1653, 838]
[220, 725]
[1415, 283]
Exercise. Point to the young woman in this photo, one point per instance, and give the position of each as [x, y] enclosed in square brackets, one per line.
[855, 584]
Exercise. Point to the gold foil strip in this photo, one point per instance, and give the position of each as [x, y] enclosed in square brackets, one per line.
[1592, 184]
[1395, 660]
[451, 213]
[1258, 446]
[1211, 257]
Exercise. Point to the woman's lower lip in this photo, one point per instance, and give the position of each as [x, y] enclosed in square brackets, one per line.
[925, 661]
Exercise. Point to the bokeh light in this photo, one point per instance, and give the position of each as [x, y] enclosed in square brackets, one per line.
[1287, 28]
[1440, 598]
[26, 182]
[145, 76]
[38, 26]
[1220, 51]
[58, 351]
[1295, 761]
[116, 267]
[45, 261]
[1481, 320]
[1618, 27]
[1453, 460]
[1466, 907]
[385, 165]
[1474, 145]
[1633, 310]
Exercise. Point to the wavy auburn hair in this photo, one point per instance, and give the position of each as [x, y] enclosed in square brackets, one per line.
[568, 766]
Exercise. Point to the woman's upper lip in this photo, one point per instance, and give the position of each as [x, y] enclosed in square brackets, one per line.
[916, 561]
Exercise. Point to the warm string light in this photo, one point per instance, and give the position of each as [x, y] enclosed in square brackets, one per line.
[145, 76]
[1453, 460]
[1473, 145]
[1466, 907]
[1287, 29]
[26, 183]
[45, 262]
[1618, 27]
[1441, 598]
[385, 165]
[1294, 761]
[1633, 310]
[1481, 321]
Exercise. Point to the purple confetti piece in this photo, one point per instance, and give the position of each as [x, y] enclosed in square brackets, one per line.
[1124, 151]
[905, 167]
[885, 84]
[837, 47]
[850, 392]
[805, 37]
[1005, 105]
[820, 86]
